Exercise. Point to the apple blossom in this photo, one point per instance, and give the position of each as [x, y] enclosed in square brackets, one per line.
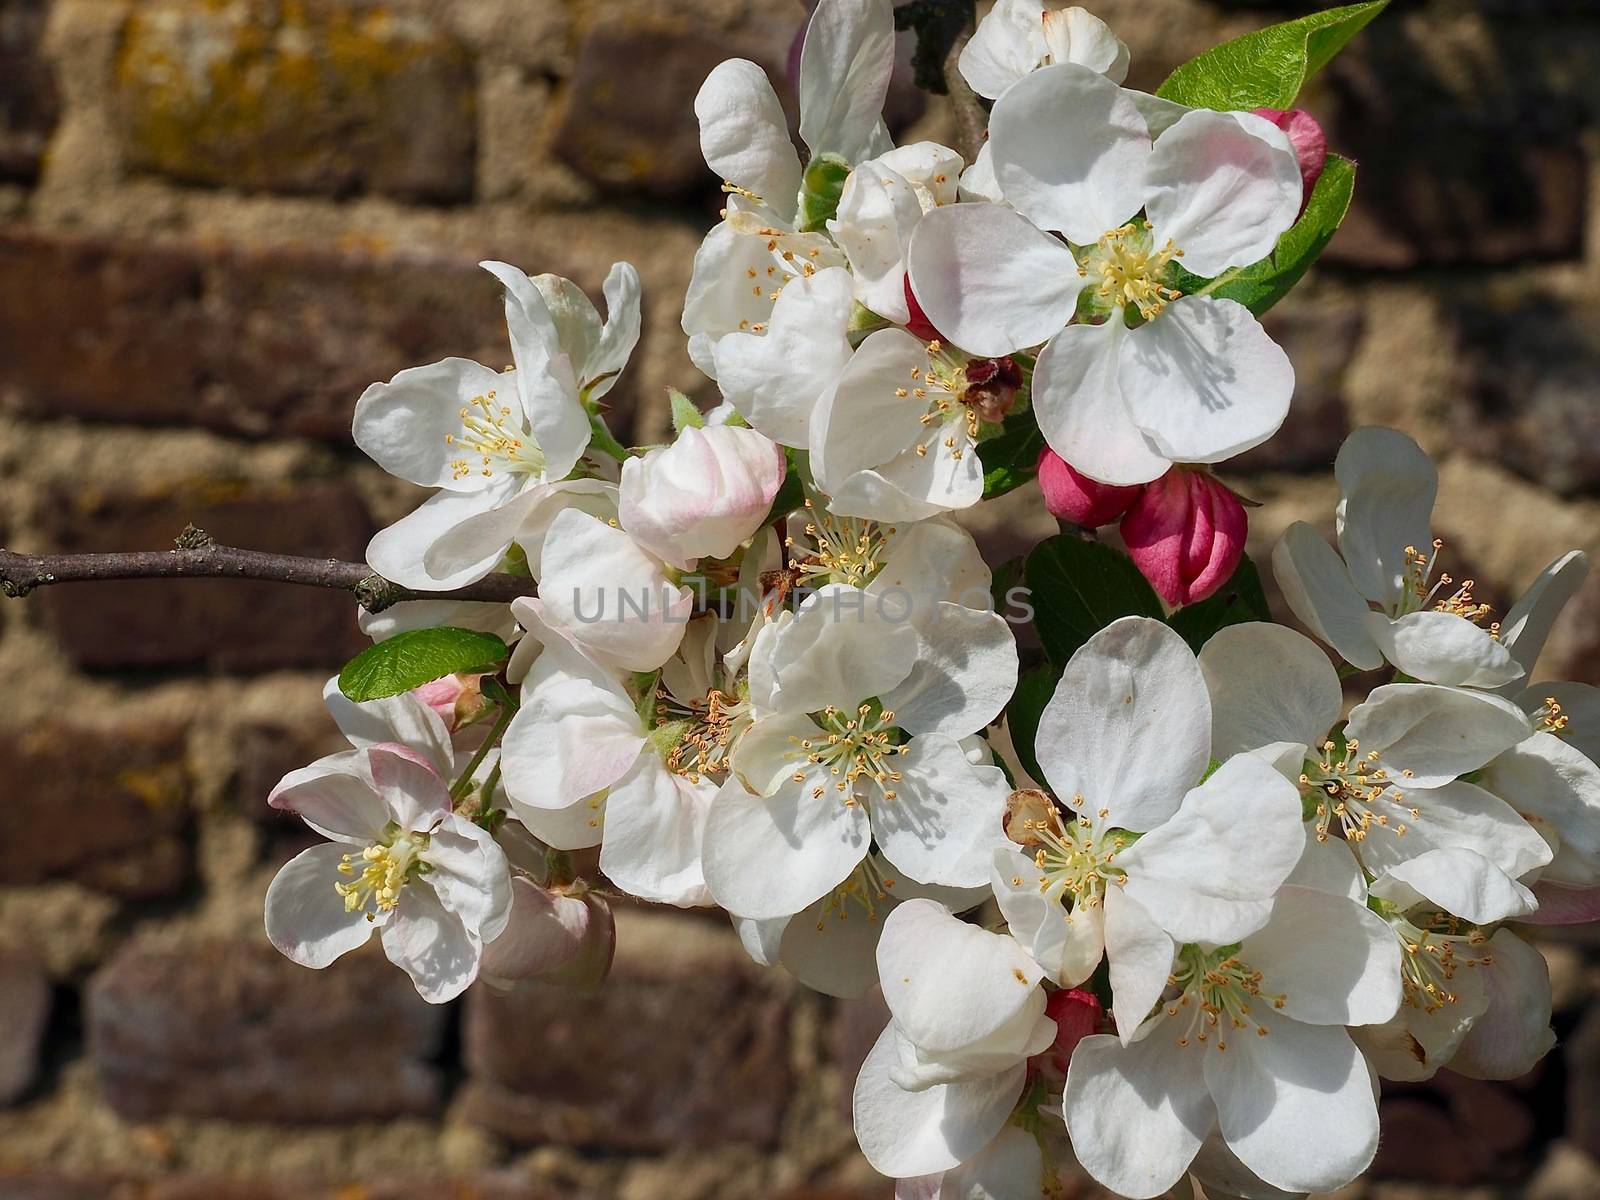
[1017, 36]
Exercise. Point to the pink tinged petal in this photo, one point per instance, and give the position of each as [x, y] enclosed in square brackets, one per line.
[1185, 532]
[1203, 380]
[989, 280]
[655, 831]
[1316, 585]
[334, 796]
[1268, 684]
[1270, 1090]
[744, 134]
[403, 425]
[1137, 1114]
[1070, 151]
[1309, 142]
[1129, 726]
[549, 936]
[470, 876]
[402, 719]
[432, 945]
[1140, 954]
[845, 66]
[400, 552]
[1388, 486]
[1458, 881]
[1332, 960]
[772, 856]
[1514, 1033]
[1527, 625]
[946, 818]
[409, 786]
[1560, 905]
[1078, 404]
[1073, 496]
[306, 918]
[1222, 186]
[1443, 648]
[904, 1133]
[567, 741]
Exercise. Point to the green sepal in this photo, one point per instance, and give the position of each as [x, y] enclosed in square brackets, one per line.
[820, 189]
[685, 414]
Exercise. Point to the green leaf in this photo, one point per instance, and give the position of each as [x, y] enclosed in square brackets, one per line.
[1261, 285]
[1011, 459]
[416, 657]
[684, 413]
[1078, 588]
[1240, 599]
[1267, 68]
[1022, 715]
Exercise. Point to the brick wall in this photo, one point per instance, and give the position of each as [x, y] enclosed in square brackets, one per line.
[220, 219]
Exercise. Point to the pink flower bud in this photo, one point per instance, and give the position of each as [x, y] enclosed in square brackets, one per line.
[1073, 496]
[455, 698]
[552, 936]
[1185, 533]
[1077, 1015]
[918, 325]
[1306, 136]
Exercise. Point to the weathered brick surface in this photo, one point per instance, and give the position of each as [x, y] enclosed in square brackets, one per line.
[104, 806]
[676, 1050]
[311, 96]
[235, 1030]
[24, 1010]
[257, 342]
[227, 624]
[54, 1185]
[29, 102]
[266, 751]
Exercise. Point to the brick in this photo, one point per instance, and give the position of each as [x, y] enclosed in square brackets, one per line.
[24, 1011]
[1320, 339]
[221, 623]
[307, 96]
[265, 752]
[232, 1029]
[18, 1184]
[103, 806]
[29, 101]
[684, 1046]
[259, 342]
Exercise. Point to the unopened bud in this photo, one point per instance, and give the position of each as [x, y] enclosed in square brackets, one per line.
[456, 698]
[918, 325]
[1309, 142]
[1072, 496]
[552, 935]
[1078, 1014]
[1185, 533]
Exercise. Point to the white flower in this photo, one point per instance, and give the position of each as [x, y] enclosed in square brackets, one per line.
[1430, 629]
[434, 885]
[1145, 858]
[1198, 380]
[492, 441]
[1018, 36]
[581, 767]
[1249, 1044]
[1391, 783]
[859, 710]
[702, 496]
[946, 1074]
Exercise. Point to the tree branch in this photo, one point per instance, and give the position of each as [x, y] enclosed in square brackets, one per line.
[198, 557]
[942, 28]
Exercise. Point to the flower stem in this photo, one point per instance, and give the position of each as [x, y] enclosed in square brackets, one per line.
[463, 783]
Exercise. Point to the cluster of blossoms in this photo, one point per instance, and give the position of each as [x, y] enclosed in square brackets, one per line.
[1161, 917]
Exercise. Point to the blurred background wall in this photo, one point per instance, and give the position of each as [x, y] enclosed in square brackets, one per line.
[221, 219]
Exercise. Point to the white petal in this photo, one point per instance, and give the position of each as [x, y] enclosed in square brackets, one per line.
[1006, 46]
[1527, 626]
[1581, 703]
[1268, 684]
[576, 827]
[878, 211]
[1204, 381]
[935, 560]
[905, 1134]
[1549, 780]
[776, 378]
[620, 333]
[1209, 873]
[1333, 961]
[1458, 881]
[844, 76]
[432, 945]
[1078, 404]
[1388, 487]
[947, 815]
[1070, 151]
[1138, 1113]
[772, 856]
[1426, 736]
[1458, 814]
[1075, 35]
[745, 136]
[842, 647]
[335, 796]
[404, 719]
[1316, 585]
[1129, 726]
[1140, 953]
[428, 614]
[832, 948]
[1329, 866]
[306, 918]
[978, 183]
[1223, 186]
[965, 672]
[402, 425]
[655, 830]
[470, 876]
[863, 422]
[409, 786]
[1441, 647]
[1270, 1090]
[1010, 1167]
[989, 280]
[1515, 1032]
[399, 553]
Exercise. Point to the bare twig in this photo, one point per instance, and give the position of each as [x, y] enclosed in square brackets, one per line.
[198, 557]
[942, 28]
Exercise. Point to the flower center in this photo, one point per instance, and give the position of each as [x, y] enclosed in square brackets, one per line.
[943, 384]
[386, 867]
[853, 749]
[1217, 990]
[1422, 590]
[1431, 957]
[491, 438]
[1126, 269]
[1074, 857]
[848, 549]
[1549, 717]
[710, 725]
[1346, 784]
[867, 890]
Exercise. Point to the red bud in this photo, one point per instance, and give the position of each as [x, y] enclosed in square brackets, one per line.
[1186, 534]
[1073, 496]
[919, 325]
[1306, 136]
[1077, 1015]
